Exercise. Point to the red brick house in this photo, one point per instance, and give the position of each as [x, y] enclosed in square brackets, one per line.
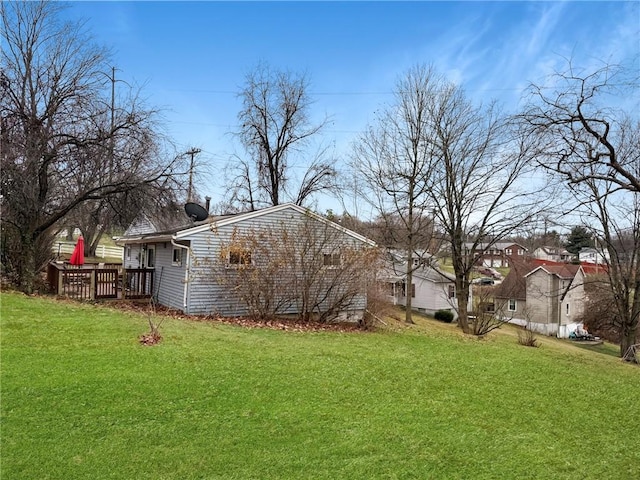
[499, 254]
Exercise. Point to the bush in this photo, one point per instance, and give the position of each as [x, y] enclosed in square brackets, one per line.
[527, 337]
[444, 316]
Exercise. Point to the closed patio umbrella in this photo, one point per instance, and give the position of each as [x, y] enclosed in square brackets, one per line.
[77, 257]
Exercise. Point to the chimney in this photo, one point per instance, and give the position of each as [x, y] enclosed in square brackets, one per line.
[206, 205]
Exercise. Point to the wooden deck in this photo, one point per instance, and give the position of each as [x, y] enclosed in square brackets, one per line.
[98, 282]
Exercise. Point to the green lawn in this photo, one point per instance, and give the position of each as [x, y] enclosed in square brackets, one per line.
[82, 399]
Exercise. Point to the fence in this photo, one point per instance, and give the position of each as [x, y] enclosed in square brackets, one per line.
[95, 282]
[103, 251]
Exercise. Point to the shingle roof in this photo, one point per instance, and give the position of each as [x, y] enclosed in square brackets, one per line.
[514, 284]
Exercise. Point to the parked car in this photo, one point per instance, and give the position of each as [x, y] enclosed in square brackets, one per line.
[484, 281]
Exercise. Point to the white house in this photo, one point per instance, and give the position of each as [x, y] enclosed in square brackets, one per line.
[592, 255]
[554, 254]
[431, 289]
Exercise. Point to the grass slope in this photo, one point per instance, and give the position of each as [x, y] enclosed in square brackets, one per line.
[82, 399]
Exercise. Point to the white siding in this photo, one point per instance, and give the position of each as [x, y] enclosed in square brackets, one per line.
[132, 256]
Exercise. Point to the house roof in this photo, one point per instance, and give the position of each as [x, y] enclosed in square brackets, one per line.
[514, 284]
[554, 250]
[497, 245]
[191, 228]
[434, 274]
[396, 272]
[563, 270]
[588, 268]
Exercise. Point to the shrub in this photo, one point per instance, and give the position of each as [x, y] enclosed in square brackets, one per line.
[444, 316]
[527, 337]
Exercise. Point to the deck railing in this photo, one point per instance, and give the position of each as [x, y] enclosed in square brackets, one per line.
[95, 282]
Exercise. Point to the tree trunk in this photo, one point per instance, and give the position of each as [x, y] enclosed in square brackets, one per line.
[462, 296]
[408, 314]
[628, 337]
[28, 265]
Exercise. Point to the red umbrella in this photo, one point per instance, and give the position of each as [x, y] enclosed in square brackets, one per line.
[77, 257]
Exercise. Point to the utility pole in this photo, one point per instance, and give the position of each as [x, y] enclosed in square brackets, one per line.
[194, 151]
[113, 125]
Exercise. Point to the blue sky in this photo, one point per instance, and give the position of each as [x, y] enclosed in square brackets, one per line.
[192, 56]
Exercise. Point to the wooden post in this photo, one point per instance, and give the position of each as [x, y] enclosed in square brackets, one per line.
[60, 280]
[93, 285]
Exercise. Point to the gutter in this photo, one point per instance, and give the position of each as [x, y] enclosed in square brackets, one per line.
[186, 274]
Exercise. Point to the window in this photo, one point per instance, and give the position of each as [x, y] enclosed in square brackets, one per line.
[508, 251]
[490, 307]
[413, 290]
[331, 260]
[567, 309]
[513, 305]
[452, 291]
[128, 253]
[239, 257]
[520, 251]
[177, 257]
[151, 256]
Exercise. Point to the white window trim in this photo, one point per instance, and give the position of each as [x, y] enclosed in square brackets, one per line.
[332, 257]
[240, 264]
[150, 248]
[515, 305]
[177, 263]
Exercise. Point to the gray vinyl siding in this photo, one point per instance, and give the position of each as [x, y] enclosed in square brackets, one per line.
[168, 279]
[207, 294]
[140, 226]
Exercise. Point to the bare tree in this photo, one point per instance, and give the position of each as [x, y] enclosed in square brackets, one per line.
[395, 156]
[481, 187]
[579, 138]
[595, 150]
[434, 151]
[53, 118]
[275, 128]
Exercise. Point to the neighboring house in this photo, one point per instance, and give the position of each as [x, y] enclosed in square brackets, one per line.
[548, 298]
[555, 298]
[554, 254]
[591, 255]
[499, 254]
[190, 261]
[510, 297]
[431, 289]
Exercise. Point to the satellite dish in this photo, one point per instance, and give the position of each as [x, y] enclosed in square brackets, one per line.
[195, 212]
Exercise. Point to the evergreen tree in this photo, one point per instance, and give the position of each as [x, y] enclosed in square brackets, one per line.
[578, 239]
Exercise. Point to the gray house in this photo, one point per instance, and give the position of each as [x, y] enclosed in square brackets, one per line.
[548, 298]
[232, 265]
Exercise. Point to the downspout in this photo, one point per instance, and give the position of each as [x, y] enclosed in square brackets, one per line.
[186, 274]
